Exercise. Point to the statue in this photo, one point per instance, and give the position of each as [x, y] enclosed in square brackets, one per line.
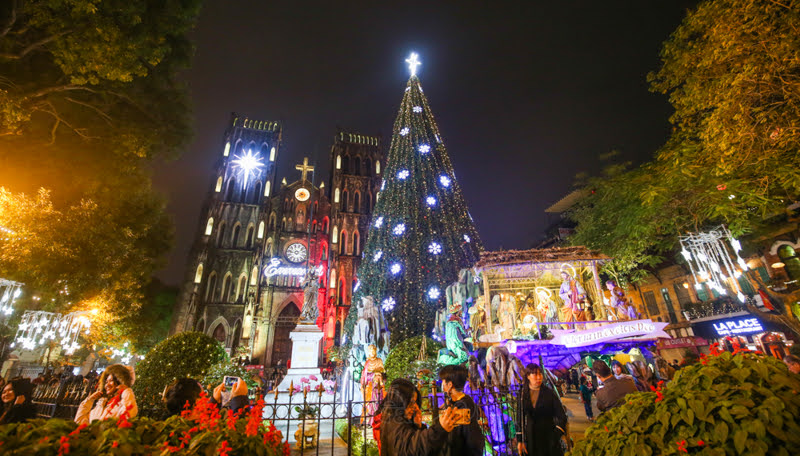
[455, 351]
[477, 321]
[546, 307]
[623, 309]
[372, 383]
[362, 335]
[508, 315]
[310, 293]
[574, 297]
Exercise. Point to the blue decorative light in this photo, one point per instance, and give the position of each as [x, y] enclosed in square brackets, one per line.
[358, 285]
[379, 222]
[404, 131]
[434, 293]
[424, 148]
[417, 109]
[467, 239]
[444, 180]
[431, 200]
[396, 268]
[383, 184]
[399, 229]
[435, 248]
[388, 304]
[403, 174]
[377, 256]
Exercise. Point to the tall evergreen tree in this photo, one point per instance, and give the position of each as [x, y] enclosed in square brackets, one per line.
[421, 233]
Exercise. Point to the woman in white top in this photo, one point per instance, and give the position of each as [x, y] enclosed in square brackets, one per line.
[113, 397]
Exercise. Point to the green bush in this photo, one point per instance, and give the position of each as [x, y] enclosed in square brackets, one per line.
[357, 438]
[723, 405]
[203, 435]
[229, 368]
[402, 360]
[187, 354]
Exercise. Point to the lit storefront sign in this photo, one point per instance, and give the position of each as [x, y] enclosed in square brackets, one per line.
[277, 268]
[738, 326]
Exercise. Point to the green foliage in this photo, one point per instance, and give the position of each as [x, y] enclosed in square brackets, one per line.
[403, 201]
[737, 111]
[356, 438]
[730, 404]
[187, 354]
[402, 360]
[143, 437]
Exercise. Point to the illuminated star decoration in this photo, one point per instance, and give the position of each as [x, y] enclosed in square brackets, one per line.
[248, 165]
[388, 304]
[413, 62]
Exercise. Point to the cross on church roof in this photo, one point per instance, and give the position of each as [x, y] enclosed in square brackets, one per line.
[304, 168]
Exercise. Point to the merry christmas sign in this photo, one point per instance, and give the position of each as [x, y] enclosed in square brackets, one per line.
[645, 329]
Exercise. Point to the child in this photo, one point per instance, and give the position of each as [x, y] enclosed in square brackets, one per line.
[586, 398]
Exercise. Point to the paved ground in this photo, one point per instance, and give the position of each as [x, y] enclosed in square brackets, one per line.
[578, 423]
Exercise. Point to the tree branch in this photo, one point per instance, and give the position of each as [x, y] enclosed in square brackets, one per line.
[102, 114]
[31, 47]
[11, 20]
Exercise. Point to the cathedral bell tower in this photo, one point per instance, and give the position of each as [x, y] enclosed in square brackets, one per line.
[222, 275]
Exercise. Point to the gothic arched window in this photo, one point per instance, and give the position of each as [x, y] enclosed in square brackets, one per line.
[335, 236]
[338, 162]
[212, 284]
[218, 187]
[221, 233]
[355, 243]
[346, 165]
[249, 238]
[344, 201]
[219, 333]
[256, 193]
[336, 196]
[377, 167]
[241, 290]
[227, 150]
[260, 234]
[231, 188]
[254, 276]
[226, 288]
[267, 187]
[235, 238]
[210, 226]
[198, 275]
[272, 219]
[357, 202]
[357, 163]
[368, 166]
[343, 244]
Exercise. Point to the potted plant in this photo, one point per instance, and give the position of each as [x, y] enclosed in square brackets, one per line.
[307, 433]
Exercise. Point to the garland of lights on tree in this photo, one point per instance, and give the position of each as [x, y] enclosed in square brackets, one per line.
[711, 262]
[421, 233]
[38, 328]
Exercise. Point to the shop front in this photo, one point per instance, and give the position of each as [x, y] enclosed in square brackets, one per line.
[745, 329]
[673, 349]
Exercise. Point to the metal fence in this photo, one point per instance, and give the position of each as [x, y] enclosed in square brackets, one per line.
[319, 423]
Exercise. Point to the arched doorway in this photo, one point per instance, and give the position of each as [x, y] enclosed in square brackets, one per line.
[219, 333]
[285, 324]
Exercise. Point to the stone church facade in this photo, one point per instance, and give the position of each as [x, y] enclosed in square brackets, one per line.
[258, 238]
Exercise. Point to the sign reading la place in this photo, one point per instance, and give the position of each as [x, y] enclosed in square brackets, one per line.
[738, 326]
[612, 331]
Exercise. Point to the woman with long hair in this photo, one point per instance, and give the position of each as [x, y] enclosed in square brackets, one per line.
[543, 417]
[113, 398]
[402, 432]
[17, 405]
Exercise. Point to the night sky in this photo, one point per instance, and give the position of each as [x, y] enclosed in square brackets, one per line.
[526, 94]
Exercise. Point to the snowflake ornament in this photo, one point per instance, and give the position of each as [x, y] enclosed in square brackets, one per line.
[430, 201]
[417, 109]
[403, 174]
[445, 181]
[424, 148]
[377, 256]
[379, 222]
[388, 304]
[399, 229]
[404, 131]
[466, 238]
[435, 248]
[434, 293]
[396, 268]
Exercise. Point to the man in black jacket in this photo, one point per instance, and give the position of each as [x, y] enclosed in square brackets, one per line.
[466, 439]
[614, 390]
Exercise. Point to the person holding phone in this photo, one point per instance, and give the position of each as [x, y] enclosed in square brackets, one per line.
[467, 437]
[543, 417]
[402, 432]
[238, 396]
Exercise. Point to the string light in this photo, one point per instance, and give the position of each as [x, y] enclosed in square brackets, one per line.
[712, 262]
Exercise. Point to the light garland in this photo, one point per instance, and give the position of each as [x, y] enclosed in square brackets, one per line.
[9, 292]
[38, 328]
[711, 261]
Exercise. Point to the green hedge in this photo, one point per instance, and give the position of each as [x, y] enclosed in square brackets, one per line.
[187, 354]
[724, 405]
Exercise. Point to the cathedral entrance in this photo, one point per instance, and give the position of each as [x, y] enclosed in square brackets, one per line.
[284, 325]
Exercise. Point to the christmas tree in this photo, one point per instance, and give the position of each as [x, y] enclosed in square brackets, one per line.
[421, 233]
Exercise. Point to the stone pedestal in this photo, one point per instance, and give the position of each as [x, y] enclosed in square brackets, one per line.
[306, 338]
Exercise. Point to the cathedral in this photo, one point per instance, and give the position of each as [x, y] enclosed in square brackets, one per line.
[259, 241]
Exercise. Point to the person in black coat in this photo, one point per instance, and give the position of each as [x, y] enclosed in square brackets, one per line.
[467, 438]
[402, 432]
[543, 417]
[17, 405]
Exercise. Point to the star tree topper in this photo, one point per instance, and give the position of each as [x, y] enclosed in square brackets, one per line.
[413, 63]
